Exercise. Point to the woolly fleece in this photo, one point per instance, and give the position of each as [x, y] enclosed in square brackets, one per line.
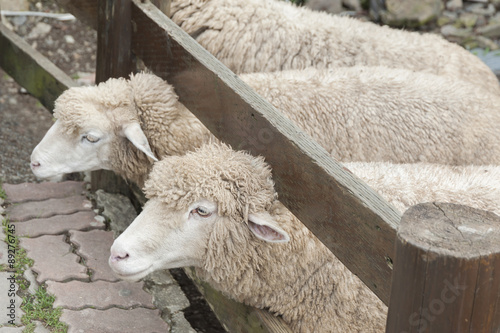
[357, 114]
[170, 128]
[300, 280]
[269, 35]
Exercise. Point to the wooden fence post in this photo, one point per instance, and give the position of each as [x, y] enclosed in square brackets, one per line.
[447, 271]
[113, 60]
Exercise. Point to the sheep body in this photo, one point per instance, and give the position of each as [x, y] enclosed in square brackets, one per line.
[300, 279]
[269, 35]
[405, 185]
[379, 114]
[356, 114]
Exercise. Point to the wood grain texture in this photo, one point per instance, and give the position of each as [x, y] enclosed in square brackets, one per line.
[446, 274]
[113, 60]
[83, 10]
[113, 40]
[31, 69]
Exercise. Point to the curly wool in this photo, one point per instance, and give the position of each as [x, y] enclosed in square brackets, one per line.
[96, 106]
[268, 35]
[379, 114]
[300, 280]
[281, 277]
[477, 186]
[145, 98]
[214, 173]
[356, 114]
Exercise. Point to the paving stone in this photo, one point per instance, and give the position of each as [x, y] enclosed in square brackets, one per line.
[94, 247]
[114, 321]
[53, 259]
[42, 191]
[40, 328]
[180, 324]
[117, 209]
[59, 224]
[28, 275]
[160, 277]
[101, 295]
[9, 301]
[169, 297]
[4, 255]
[11, 329]
[47, 208]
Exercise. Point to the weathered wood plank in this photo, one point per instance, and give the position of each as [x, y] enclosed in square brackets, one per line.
[346, 215]
[31, 69]
[446, 271]
[83, 10]
[113, 40]
[113, 60]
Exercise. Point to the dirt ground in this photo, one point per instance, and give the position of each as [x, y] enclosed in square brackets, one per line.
[69, 45]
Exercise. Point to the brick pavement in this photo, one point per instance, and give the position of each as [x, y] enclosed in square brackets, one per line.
[68, 241]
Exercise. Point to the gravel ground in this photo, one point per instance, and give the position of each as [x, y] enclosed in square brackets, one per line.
[23, 124]
[71, 46]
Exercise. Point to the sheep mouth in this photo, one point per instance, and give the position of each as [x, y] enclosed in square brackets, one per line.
[131, 276]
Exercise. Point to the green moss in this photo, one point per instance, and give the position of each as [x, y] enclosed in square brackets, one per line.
[40, 306]
[3, 195]
[37, 307]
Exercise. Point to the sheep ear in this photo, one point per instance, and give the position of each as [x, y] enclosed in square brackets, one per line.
[134, 133]
[264, 227]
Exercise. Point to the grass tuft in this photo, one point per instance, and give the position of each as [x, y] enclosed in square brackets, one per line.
[37, 307]
[41, 307]
[3, 195]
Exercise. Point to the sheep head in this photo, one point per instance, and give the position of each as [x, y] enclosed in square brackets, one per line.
[91, 124]
[200, 204]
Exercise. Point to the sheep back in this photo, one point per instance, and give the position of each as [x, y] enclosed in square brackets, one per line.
[384, 114]
[267, 35]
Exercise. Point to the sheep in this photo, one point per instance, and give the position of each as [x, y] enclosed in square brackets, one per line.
[216, 209]
[268, 35]
[355, 113]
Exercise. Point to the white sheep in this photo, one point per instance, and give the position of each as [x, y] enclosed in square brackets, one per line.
[355, 113]
[216, 209]
[269, 35]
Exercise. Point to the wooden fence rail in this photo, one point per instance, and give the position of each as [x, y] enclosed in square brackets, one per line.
[31, 69]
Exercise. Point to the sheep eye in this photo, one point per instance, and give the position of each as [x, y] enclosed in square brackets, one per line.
[91, 138]
[201, 211]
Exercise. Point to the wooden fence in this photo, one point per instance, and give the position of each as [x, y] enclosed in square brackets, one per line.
[353, 221]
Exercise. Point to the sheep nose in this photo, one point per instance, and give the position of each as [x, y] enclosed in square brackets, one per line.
[35, 165]
[118, 256]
